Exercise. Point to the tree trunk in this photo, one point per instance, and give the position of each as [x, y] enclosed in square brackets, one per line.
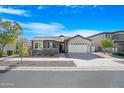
[3, 47]
[104, 50]
[21, 59]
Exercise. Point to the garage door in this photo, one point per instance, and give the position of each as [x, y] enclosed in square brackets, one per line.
[77, 48]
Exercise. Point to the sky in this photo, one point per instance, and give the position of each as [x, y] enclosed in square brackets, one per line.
[68, 20]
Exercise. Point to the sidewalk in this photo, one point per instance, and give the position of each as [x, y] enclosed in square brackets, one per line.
[102, 62]
[8, 57]
[101, 54]
[94, 64]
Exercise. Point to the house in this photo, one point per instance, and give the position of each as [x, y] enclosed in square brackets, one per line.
[15, 47]
[61, 44]
[8, 46]
[117, 37]
[26, 42]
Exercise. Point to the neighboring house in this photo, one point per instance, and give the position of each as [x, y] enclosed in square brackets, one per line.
[14, 47]
[8, 46]
[26, 42]
[60, 44]
[117, 37]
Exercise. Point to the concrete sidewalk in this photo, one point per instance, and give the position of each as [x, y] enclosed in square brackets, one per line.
[110, 62]
[78, 62]
[99, 63]
[7, 57]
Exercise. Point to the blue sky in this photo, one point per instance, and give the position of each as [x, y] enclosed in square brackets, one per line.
[66, 20]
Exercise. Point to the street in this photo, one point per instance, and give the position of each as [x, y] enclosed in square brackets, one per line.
[62, 79]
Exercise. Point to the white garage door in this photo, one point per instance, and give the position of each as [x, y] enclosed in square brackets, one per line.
[77, 48]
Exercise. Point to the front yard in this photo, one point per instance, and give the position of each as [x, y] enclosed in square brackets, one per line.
[39, 63]
[84, 60]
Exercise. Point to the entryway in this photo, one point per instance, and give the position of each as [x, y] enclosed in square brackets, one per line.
[61, 48]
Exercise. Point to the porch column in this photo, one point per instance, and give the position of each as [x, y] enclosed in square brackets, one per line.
[116, 48]
[32, 44]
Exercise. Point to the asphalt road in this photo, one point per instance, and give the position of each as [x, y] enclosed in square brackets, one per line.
[62, 79]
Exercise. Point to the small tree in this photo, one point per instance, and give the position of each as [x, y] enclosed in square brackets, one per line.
[23, 51]
[9, 33]
[105, 43]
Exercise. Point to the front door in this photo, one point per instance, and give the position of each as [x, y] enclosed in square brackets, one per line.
[61, 48]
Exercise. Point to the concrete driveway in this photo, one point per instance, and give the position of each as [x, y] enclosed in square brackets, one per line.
[84, 56]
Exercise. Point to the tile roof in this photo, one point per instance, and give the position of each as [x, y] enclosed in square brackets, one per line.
[59, 39]
[106, 33]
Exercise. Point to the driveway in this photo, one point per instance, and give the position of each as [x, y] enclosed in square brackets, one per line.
[84, 56]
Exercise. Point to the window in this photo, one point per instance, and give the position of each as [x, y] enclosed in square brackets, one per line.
[36, 45]
[50, 44]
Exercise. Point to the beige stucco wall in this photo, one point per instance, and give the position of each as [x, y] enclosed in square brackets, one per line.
[96, 40]
[119, 33]
[82, 48]
[10, 46]
[79, 40]
[40, 44]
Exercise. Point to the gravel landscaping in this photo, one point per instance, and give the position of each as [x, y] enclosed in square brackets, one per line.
[40, 63]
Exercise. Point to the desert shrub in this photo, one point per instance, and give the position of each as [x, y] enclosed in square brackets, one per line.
[9, 52]
[1, 53]
[22, 51]
[51, 52]
[106, 44]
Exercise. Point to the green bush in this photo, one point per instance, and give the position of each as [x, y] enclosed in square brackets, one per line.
[1, 53]
[119, 53]
[9, 52]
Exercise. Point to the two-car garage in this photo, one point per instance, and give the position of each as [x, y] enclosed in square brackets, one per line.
[78, 44]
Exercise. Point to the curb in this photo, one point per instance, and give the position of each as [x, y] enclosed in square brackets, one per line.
[62, 68]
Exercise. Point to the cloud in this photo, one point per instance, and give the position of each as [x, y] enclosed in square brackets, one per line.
[40, 7]
[73, 9]
[43, 7]
[82, 32]
[42, 28]
[75, 6]
[55, 29]
[14, 11]
[82, 6]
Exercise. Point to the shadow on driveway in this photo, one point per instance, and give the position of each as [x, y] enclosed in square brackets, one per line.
[83, 56]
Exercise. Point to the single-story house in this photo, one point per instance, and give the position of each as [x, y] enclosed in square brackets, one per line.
[15, 47]
[75, 44]
[117, 37]
[8, 46]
